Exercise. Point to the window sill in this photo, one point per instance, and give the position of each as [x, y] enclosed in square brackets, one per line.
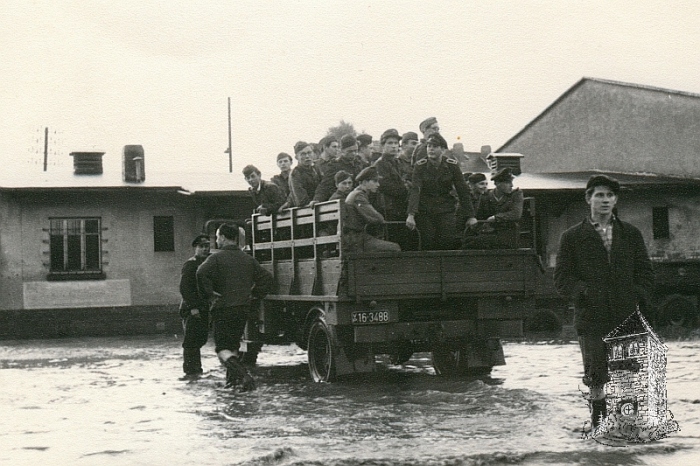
[74, 276]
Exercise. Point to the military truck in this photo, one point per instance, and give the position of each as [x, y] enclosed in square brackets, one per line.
[346, 308]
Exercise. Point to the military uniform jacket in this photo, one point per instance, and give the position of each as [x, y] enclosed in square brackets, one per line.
[269, 196]
[326, 187]
[604, 290]
[392, 188]
[282, 181]
[507, 208]
[302, 185]
[431, 188]
[359, 212]
[235, 275]
[191, 297]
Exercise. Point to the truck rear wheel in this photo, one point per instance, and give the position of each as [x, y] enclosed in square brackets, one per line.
[321, 352]
[450, 362]
[474, 358]
[678, 311]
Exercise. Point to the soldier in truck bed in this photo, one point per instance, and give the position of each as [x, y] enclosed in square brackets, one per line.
[304, 178]
[267, 196]
[501, 209]
[431, 206]
[359, 213]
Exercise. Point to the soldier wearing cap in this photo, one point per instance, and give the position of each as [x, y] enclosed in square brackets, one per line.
[344, 182]
[284, 162]
[364, 145]
[478, 186]
[359, 213]
[304, 178]
[428, 127]
[431, 206]
[267, 196]
[348, 161]
[603, 268]
[392, 188]
[501, 209]
[409, 141]
[194, 310]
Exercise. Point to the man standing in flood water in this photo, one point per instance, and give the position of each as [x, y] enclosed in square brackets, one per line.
[603, 267]
[194, 310]
[229, 278]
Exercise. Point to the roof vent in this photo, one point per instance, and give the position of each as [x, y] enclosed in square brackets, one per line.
[87, 163]
[133, 168]
[498, 161]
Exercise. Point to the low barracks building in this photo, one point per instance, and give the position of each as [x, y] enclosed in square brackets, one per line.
[93, 253]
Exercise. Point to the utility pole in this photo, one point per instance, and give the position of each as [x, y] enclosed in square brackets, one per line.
[46, 147]
[230, 150]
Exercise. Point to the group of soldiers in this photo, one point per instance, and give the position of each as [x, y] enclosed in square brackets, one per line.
[402, 180]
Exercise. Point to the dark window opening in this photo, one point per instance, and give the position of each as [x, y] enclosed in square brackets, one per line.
[75, 246]
[659, 220]
[163, 234]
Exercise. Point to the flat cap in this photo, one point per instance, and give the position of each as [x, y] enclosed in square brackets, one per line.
[504, 174]
[476, 178]
[410, 136]
[300, 146]
[283, 155]
[199, 240]
[425, 123]
[390, 133]
[436, 139]
[369, 173]
[348, 141]
[364, 140]
[603, 180]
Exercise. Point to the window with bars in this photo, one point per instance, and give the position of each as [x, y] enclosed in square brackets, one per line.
[75, 246]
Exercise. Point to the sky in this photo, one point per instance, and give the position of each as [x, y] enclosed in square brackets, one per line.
[104, 74]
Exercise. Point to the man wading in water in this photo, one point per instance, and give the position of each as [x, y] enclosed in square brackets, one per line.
[229, 278]
[604, 269]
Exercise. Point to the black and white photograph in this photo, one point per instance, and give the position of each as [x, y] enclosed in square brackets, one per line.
[375, 233]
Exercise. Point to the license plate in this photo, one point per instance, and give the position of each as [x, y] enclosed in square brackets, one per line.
[371, 317]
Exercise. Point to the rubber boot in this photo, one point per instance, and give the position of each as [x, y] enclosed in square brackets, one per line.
[192, 362]
[599, 412]
[236, 374]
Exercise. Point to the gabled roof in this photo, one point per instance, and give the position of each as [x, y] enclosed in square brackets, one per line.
[635, 324]
[579, 84]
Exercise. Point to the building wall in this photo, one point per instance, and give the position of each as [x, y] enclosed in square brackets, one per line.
[614, 127]
[135, 274]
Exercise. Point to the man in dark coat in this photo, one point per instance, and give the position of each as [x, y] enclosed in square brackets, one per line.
[304, 178]
[267, 196]
[284, 162]
[230, 278]
[194, 310]
[348, 161]
[604, 269]
[392, 187]
[501, 209]
[431, 206]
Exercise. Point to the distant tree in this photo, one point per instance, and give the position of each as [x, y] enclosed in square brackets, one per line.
[341, 129]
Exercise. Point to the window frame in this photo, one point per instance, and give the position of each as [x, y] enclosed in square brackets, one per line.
[87, 251]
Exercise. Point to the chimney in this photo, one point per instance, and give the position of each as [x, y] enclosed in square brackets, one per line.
[87, 163]
[133, 168]
[500, 160]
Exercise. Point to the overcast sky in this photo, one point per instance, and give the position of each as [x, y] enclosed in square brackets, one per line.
[102, 74]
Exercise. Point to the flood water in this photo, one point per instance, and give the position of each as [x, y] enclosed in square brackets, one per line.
[118, 401]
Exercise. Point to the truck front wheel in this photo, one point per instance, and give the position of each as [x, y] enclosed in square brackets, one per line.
[321, 352]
